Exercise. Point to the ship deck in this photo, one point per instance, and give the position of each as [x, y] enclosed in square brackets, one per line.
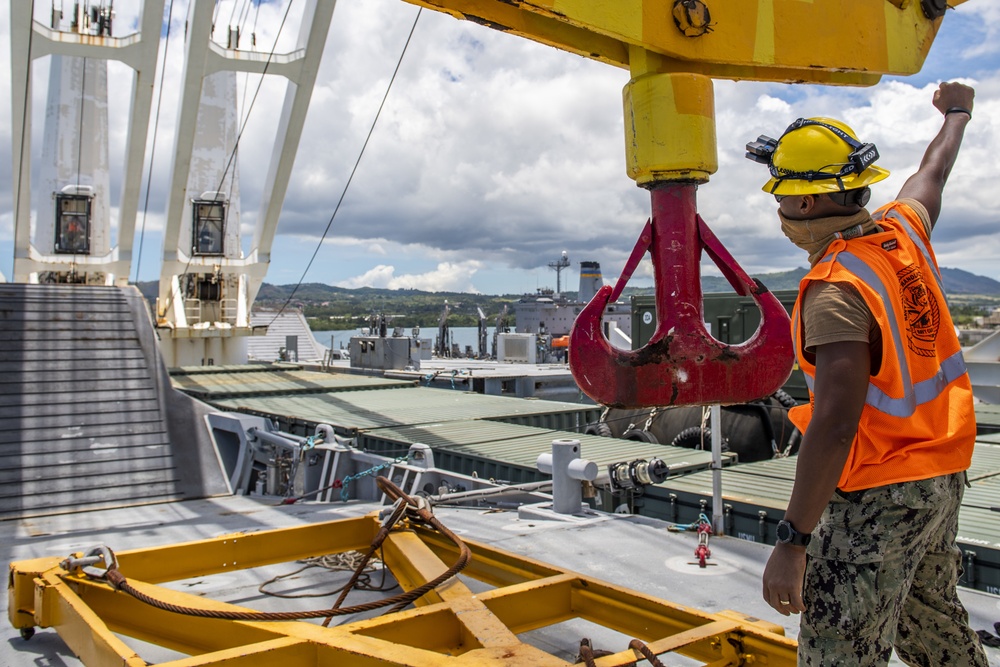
[631, 551]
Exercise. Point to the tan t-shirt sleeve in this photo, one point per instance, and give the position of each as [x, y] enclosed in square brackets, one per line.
[833, 313]
[921, 211]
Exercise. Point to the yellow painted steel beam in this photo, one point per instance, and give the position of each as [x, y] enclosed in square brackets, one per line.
[773, 40]
[284, 651]
[492, 566]
[186, 634]
[56, 605]
[413, 565]
[240, 551]
[460, 629]
[674, 49]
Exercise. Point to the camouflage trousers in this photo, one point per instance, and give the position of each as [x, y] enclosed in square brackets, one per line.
[882, 572]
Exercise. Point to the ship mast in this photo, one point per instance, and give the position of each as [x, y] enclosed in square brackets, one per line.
[558, 266]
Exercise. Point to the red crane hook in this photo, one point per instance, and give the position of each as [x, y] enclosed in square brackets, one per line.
[682, 364]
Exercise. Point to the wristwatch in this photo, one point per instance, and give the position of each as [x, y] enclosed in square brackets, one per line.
[786, 534]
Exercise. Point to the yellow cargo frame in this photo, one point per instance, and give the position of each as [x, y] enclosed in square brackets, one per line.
[449, 626]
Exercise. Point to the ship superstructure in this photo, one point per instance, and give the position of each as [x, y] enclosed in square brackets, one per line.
[551, 312]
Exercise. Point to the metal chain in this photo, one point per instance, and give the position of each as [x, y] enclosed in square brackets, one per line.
[345, 496]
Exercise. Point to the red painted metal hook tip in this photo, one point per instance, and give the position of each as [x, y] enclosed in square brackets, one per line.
[682, 364]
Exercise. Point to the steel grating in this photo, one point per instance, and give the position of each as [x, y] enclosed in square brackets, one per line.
[988, 419]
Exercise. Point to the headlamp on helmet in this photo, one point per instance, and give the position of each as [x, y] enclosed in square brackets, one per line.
[815, 156]
[760, 151]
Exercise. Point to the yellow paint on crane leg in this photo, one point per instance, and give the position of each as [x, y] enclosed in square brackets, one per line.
[670, 128]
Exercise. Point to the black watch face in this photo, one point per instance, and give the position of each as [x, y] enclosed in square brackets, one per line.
[784, 532]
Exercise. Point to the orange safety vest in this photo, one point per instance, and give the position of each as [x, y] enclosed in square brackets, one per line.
[918, 420]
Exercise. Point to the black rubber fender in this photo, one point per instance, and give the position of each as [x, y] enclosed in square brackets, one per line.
[639, 435]
[598, 428]
[692, 438]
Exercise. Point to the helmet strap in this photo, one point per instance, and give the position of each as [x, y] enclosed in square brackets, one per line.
[861, 157]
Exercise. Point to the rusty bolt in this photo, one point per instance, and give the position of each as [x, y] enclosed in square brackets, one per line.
[692, 17]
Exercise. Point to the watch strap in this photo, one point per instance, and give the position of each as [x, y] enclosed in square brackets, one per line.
[795, 537]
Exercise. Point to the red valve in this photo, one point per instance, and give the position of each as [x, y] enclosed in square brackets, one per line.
[682, 364]
[702, 552]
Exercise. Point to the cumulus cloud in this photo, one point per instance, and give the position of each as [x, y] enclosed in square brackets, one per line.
[447, 277]
[494, 150]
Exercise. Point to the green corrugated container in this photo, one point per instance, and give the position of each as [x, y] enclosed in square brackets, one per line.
[350, 412]
[245, 381]
[509, 451]
[731, 318]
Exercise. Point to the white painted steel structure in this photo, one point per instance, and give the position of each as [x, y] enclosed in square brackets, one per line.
[204, 298]
[74, 52]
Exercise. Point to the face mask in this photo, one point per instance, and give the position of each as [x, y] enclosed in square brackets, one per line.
[815, 236]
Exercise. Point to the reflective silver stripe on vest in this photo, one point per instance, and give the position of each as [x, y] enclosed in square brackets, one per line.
[919, 242]
[797, 343]
[925, 391]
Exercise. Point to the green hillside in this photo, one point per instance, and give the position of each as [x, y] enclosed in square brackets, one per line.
[330, 307]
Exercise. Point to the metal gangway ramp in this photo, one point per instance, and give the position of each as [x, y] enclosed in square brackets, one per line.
[84, 399]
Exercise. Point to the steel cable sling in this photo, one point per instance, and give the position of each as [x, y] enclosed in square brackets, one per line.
[397, 602]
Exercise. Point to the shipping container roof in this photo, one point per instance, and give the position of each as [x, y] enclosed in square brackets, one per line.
[367, 409]
[242, 381]
[517, 445]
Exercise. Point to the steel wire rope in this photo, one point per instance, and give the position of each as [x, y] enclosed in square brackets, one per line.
[118, 581]
[232, 14]
[236, 146]
[253, 30]
[79, 159]
[156, 127]
[245, 14]
[647, 653]
[397, 513]
[24, 122]
[353, 171]
[350, 560]
[244, 111]
[79, 128]
[215, 14]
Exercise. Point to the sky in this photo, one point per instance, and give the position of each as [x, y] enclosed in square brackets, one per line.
[494, 154]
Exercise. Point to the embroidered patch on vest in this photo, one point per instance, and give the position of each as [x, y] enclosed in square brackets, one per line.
[921, 315]
[889, 245]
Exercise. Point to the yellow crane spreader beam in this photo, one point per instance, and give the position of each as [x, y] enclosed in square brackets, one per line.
[450, 626]
[847, 42]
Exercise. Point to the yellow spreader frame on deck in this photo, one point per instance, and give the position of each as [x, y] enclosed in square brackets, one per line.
[448, 626]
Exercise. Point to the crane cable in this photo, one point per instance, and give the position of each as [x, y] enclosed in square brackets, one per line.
[156, 127]
[232, 154]
[24, 122]
[353, 171]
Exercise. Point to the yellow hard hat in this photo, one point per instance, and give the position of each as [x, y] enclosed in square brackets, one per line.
[820, 155]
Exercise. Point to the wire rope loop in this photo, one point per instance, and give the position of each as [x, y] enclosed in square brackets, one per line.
[395, 603]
